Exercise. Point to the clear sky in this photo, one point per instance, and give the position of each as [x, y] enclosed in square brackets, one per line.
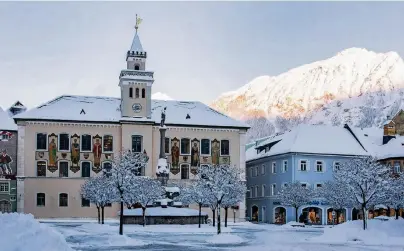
[198, 50]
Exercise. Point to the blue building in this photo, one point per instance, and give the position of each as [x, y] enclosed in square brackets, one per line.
[309, 154]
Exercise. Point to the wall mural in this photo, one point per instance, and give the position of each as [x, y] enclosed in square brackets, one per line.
[5, 163]
[52, 150]
[97, 151]
[175, 156]
[215, 152]
[75, 153]
[5, 135]
[195, 160]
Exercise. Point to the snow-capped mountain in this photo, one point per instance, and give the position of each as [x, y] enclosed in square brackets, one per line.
[355, 86]
[161, 96]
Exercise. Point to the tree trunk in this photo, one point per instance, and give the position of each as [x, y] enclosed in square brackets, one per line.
[98, 209]
[200, 215]
[102, 215]
[121, 219]
[225, 216]
[397, 210]
[364, 217]
[296, 208]
[144, 215]
[218, 220]
[214, 216]
[234, 215]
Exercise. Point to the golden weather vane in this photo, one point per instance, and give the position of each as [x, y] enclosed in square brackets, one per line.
[138, 21]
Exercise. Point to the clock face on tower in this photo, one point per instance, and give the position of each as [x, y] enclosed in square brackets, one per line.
[137, 107]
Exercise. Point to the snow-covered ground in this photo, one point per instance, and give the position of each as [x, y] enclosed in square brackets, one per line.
[237, 237]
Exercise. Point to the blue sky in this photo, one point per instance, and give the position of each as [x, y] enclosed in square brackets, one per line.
[198, 50]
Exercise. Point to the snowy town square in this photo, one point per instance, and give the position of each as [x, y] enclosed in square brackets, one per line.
[201, 126]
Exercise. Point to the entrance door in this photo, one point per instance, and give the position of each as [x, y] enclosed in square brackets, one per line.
[5, 206]
[254, 213]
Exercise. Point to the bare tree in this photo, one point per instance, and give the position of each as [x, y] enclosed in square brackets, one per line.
[295, 195]
[395, 197]
[125, 168]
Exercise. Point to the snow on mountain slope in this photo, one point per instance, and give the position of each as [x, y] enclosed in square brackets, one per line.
[161, 96]
[357, 86]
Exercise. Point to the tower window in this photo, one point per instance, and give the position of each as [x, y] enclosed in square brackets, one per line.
[130, 92]
[137, 67]
[137, 93]
[143, 93]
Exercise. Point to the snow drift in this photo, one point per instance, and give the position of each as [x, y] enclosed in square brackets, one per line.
[225, 239]
[21, 232]
[381, 233]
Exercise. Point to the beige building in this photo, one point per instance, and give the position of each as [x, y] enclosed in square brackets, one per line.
[70, 138]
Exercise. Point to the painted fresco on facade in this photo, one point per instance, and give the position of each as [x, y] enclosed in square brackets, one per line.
[52, 151]
[5, 163]
[175, 156]
[215, 152]
[75, 153]
[195, 153]
[5, 135]
[97, 151]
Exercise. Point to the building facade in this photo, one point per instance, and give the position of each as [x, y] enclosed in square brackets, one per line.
[308, 154]
[71, 138]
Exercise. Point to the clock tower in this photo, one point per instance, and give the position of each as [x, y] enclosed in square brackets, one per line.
[135, 81]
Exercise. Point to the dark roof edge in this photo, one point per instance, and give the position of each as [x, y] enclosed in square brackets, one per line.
[346, 126]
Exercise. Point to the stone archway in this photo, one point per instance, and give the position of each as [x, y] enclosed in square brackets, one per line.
[5, 206]
[314, 215]
[254, 213]
[279, 215]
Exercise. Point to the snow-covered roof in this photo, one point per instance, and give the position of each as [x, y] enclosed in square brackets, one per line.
[136, 44]
[107, 109]
[316, 139]
[6, 122]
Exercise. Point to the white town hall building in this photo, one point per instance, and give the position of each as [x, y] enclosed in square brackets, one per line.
[70, 138]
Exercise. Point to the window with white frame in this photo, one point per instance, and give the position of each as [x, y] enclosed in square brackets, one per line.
[303, 165]
[263, 190]
[273, 189]
[64, 142]
[263, 169]
[185, 146]
[85, 169]
[273, 167]
[137, 143]
[285, 166]
[319, 166]
[397, 168]
[305, 185]
[4, 187]
[224, 147]
[318, 185]
[63, 169]
[5, 137]
[41, 141]
[336, 165]
[85, 143]
[63, 200]
[205, 146]
[40, 199]
[41, 168]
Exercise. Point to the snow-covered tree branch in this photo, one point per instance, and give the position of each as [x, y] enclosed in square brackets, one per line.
[295, 195]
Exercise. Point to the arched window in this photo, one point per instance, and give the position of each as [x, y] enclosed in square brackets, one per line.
[137, 67]
[137, 93]
[130, 92]
[143, 93]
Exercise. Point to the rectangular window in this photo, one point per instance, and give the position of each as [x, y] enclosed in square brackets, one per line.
[184, 172]
[63, 200]
[319, 186]
[256, 171]
[263, 191]
[205, 147]
[397, 168]
[85, 143]
[167, 146]
[108, 205]
[85, 169]
[224, 147]
[137, 144]
[107, 143]
[63, 169]
[4, 187]
[336, 165]
[304, 185]
[273, 167]
[40, 199]
[41, 169]
[319, 166]
[303, 165]
[5, 137]
[273, 189]
[251, 172]
[263, 169]
[85, 202]
[41, 141]
[285, 166]
[64, 142]
[185, 146]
